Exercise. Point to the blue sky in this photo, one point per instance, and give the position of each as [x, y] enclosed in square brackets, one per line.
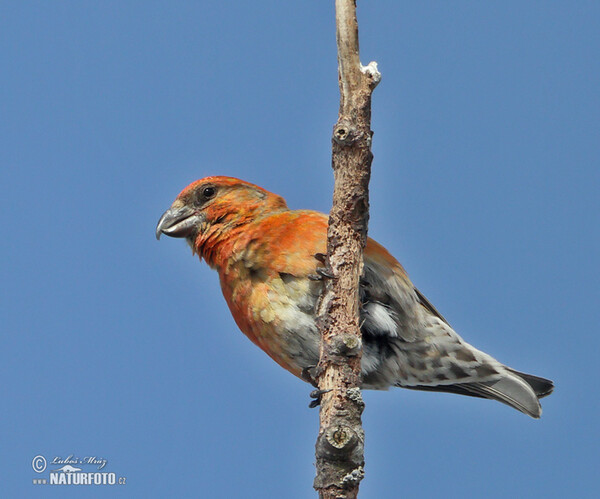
[485, 186]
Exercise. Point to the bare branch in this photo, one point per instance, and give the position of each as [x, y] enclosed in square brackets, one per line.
[340, 444]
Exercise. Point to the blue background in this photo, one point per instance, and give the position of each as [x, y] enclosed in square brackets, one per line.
[485, 185]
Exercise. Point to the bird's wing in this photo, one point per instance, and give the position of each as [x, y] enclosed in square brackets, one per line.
[427, 304]
[408, 343]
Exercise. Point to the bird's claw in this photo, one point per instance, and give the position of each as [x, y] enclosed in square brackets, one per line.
[321, 257]
[308, 374]
[325, 272]
[322, 273]
[316, 395]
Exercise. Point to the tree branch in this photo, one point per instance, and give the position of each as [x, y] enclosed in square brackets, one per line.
[340, 444]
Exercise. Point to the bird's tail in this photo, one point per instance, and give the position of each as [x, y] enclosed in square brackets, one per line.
[516, 389]
[541, 386]
[519, 390]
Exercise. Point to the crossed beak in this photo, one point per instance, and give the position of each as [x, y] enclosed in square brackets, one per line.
[178, 222]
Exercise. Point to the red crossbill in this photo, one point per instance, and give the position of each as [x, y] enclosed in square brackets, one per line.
[264, 254]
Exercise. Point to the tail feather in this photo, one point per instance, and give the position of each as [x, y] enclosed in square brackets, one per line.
[511, 390]
[541, 386]
[518, 390]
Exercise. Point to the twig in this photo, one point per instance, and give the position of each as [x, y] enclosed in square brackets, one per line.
[340, 444]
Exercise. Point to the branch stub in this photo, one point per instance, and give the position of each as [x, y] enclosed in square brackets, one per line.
[344, 133]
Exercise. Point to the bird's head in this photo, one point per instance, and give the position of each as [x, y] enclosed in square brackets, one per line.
[213, 205]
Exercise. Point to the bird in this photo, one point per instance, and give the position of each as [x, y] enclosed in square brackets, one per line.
[266, 257]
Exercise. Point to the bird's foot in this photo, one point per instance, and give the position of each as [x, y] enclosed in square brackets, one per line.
[310, 374]
[316, 395]
[321, 257]
[322, 273]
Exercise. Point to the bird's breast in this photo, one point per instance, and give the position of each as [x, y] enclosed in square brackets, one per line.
[276, 310]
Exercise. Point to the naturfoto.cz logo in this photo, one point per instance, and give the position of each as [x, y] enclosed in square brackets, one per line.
[72, 473]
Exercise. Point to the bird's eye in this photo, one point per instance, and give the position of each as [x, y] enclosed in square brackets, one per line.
[208, 192]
